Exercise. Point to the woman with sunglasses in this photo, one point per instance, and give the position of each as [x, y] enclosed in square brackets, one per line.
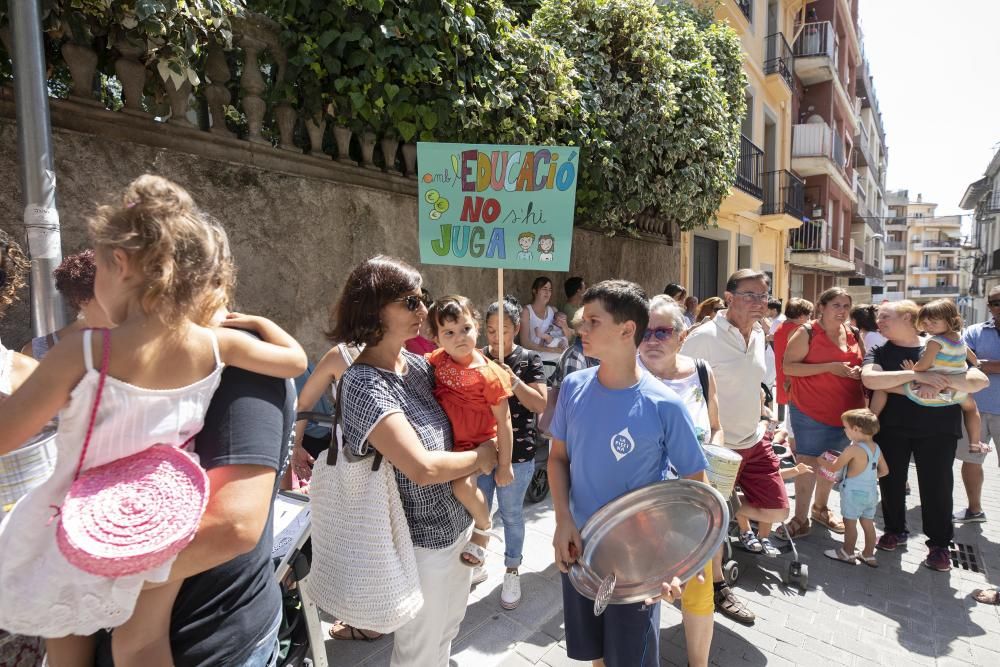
[659, 353]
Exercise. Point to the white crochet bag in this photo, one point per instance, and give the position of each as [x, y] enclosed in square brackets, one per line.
[363, 569]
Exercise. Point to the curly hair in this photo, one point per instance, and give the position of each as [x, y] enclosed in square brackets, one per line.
[75, 278]
[372, 285]
[183, 254]
[15, 266]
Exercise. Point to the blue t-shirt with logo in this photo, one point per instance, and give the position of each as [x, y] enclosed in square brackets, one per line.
[618, 440]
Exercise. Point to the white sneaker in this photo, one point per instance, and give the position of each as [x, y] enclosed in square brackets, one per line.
[510, 596]
[479, 575]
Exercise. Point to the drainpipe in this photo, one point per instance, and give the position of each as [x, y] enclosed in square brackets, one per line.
[38, 178]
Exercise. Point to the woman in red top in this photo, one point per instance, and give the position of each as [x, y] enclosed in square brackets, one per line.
[823, 360]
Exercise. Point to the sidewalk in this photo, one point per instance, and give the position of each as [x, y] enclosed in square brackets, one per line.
[900, 613]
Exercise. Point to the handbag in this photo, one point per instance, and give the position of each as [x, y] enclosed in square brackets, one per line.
[132, 514]
[363, 571]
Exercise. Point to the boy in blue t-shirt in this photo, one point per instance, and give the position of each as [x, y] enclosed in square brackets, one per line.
[615, 429]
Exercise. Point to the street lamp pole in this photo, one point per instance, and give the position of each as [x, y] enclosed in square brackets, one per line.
[38, 178]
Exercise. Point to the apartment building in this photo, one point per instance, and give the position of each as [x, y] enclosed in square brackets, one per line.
[924, 249]
[983, 249]
[767, 201]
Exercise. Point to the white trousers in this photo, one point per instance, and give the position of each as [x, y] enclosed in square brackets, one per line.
[445, 581]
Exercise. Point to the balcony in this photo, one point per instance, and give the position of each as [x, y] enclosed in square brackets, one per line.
[895, 247]
[750, 171]
[937, 244]
[862, 152]
[896, 224]
[867, 270]
[936, 291]
[784, 194]
[811, 249]
[816, 53]
[940, 268]
[746, 7]
[818, 150]
[778, 59]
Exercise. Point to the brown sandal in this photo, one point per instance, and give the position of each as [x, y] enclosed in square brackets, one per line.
[796, 526]
[825, 517]
[986, 596]
[346, 632]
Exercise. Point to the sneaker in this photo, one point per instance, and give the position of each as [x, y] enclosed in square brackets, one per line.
[479, 575]
[892, 541]
[938, 559]
[750, 542]
[510, 596]
[769, 549]
[967, 516]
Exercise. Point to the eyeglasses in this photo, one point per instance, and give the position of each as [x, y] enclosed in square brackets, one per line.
[412, 301]
[750, 297]
[661, 333]
[993, 304]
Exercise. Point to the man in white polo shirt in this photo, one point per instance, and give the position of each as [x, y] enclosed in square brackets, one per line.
[733, 345]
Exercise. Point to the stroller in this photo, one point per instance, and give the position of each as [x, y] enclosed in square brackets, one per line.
[538, 488]
[797, 573]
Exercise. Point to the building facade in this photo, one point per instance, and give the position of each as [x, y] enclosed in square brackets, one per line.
[809, 201]
[766, 203]
[983, 249]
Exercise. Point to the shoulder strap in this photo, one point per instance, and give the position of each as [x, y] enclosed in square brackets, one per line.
[215, 347]
[105, 358]
[702, 368]
[88, 349]
[808, 326]
[338, 426]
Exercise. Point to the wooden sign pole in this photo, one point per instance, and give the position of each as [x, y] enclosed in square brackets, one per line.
[500, 315]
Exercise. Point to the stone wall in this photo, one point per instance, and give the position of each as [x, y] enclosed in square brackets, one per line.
[297, 223]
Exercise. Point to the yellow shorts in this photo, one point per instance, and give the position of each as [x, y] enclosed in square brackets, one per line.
[699, 598]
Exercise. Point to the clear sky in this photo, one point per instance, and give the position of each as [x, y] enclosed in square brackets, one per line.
[935, 67]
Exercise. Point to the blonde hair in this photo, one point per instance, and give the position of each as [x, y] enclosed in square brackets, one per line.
[904, 307]
[183, 254]
[661, 303]
[13, 261]
[941, 309]
[862, 419]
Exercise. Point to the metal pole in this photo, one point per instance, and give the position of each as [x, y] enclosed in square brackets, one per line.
[34, 143]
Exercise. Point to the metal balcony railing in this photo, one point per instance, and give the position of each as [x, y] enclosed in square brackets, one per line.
[750, 170]
[784, 193]
[746, 6]
[816, 39]
[814, 236]
[993, 201]
[937, 289]
[778, 58]
[867, 270]
[895, 245]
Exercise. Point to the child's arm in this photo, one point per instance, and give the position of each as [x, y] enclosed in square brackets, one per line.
[277, 354]
[971, 357]
[792, 473]
[927, 356]
[846, 457]
[883, 468]
[43, 393]
[505, 443]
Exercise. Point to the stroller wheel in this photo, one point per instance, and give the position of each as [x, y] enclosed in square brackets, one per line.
[538, 488]
[731, 572]
[798, 575]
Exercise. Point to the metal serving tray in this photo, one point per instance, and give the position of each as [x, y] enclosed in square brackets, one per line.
[648, 536]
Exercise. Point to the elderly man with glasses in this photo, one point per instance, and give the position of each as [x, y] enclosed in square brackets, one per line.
[984, 340]
[733, 345]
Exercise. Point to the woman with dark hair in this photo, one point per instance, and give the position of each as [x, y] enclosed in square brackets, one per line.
[863, 317]
[676, 292]
[823, 360]
[387, 403]
[538, 317]
[75, 281]
[527, 380]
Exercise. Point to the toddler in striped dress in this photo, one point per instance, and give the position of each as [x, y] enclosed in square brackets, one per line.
[945, 352]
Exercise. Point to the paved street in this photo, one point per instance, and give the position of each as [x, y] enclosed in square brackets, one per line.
[899, 613]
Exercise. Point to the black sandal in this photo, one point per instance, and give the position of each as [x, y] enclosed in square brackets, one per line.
[353, 633]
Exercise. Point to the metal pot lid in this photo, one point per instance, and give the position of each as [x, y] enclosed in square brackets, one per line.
[648, 536]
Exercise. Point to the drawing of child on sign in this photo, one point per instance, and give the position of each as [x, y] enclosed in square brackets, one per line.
[525, 239]
[546, 246]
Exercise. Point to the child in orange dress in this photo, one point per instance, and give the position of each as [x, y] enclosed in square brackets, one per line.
[473, 392]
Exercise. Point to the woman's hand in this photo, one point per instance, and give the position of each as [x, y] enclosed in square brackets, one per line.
[567, 543]
[486, 456]
[504, 475]
[510, 372]
[302, 463]
[844, 370]
[937, 381]
[925, 392]
[241, 321]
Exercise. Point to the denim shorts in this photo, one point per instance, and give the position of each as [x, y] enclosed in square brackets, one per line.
[858, 503]
[812, 438]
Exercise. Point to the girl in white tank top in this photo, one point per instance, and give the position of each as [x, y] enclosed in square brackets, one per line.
[162, 270]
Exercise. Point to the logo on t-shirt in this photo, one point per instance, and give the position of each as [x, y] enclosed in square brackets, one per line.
[622, 444]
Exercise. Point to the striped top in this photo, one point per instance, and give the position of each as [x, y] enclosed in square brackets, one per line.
[950, 359]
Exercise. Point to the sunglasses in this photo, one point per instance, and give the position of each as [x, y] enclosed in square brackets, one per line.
[993, 304]
[660, 333]
[412, 301]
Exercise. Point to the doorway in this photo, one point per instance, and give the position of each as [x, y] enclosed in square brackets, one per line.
[705, 281]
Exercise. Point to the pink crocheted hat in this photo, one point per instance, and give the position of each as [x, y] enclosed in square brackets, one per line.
[133, 514]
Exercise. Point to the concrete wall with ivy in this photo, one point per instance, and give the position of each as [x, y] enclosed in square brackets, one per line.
[295, 235]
